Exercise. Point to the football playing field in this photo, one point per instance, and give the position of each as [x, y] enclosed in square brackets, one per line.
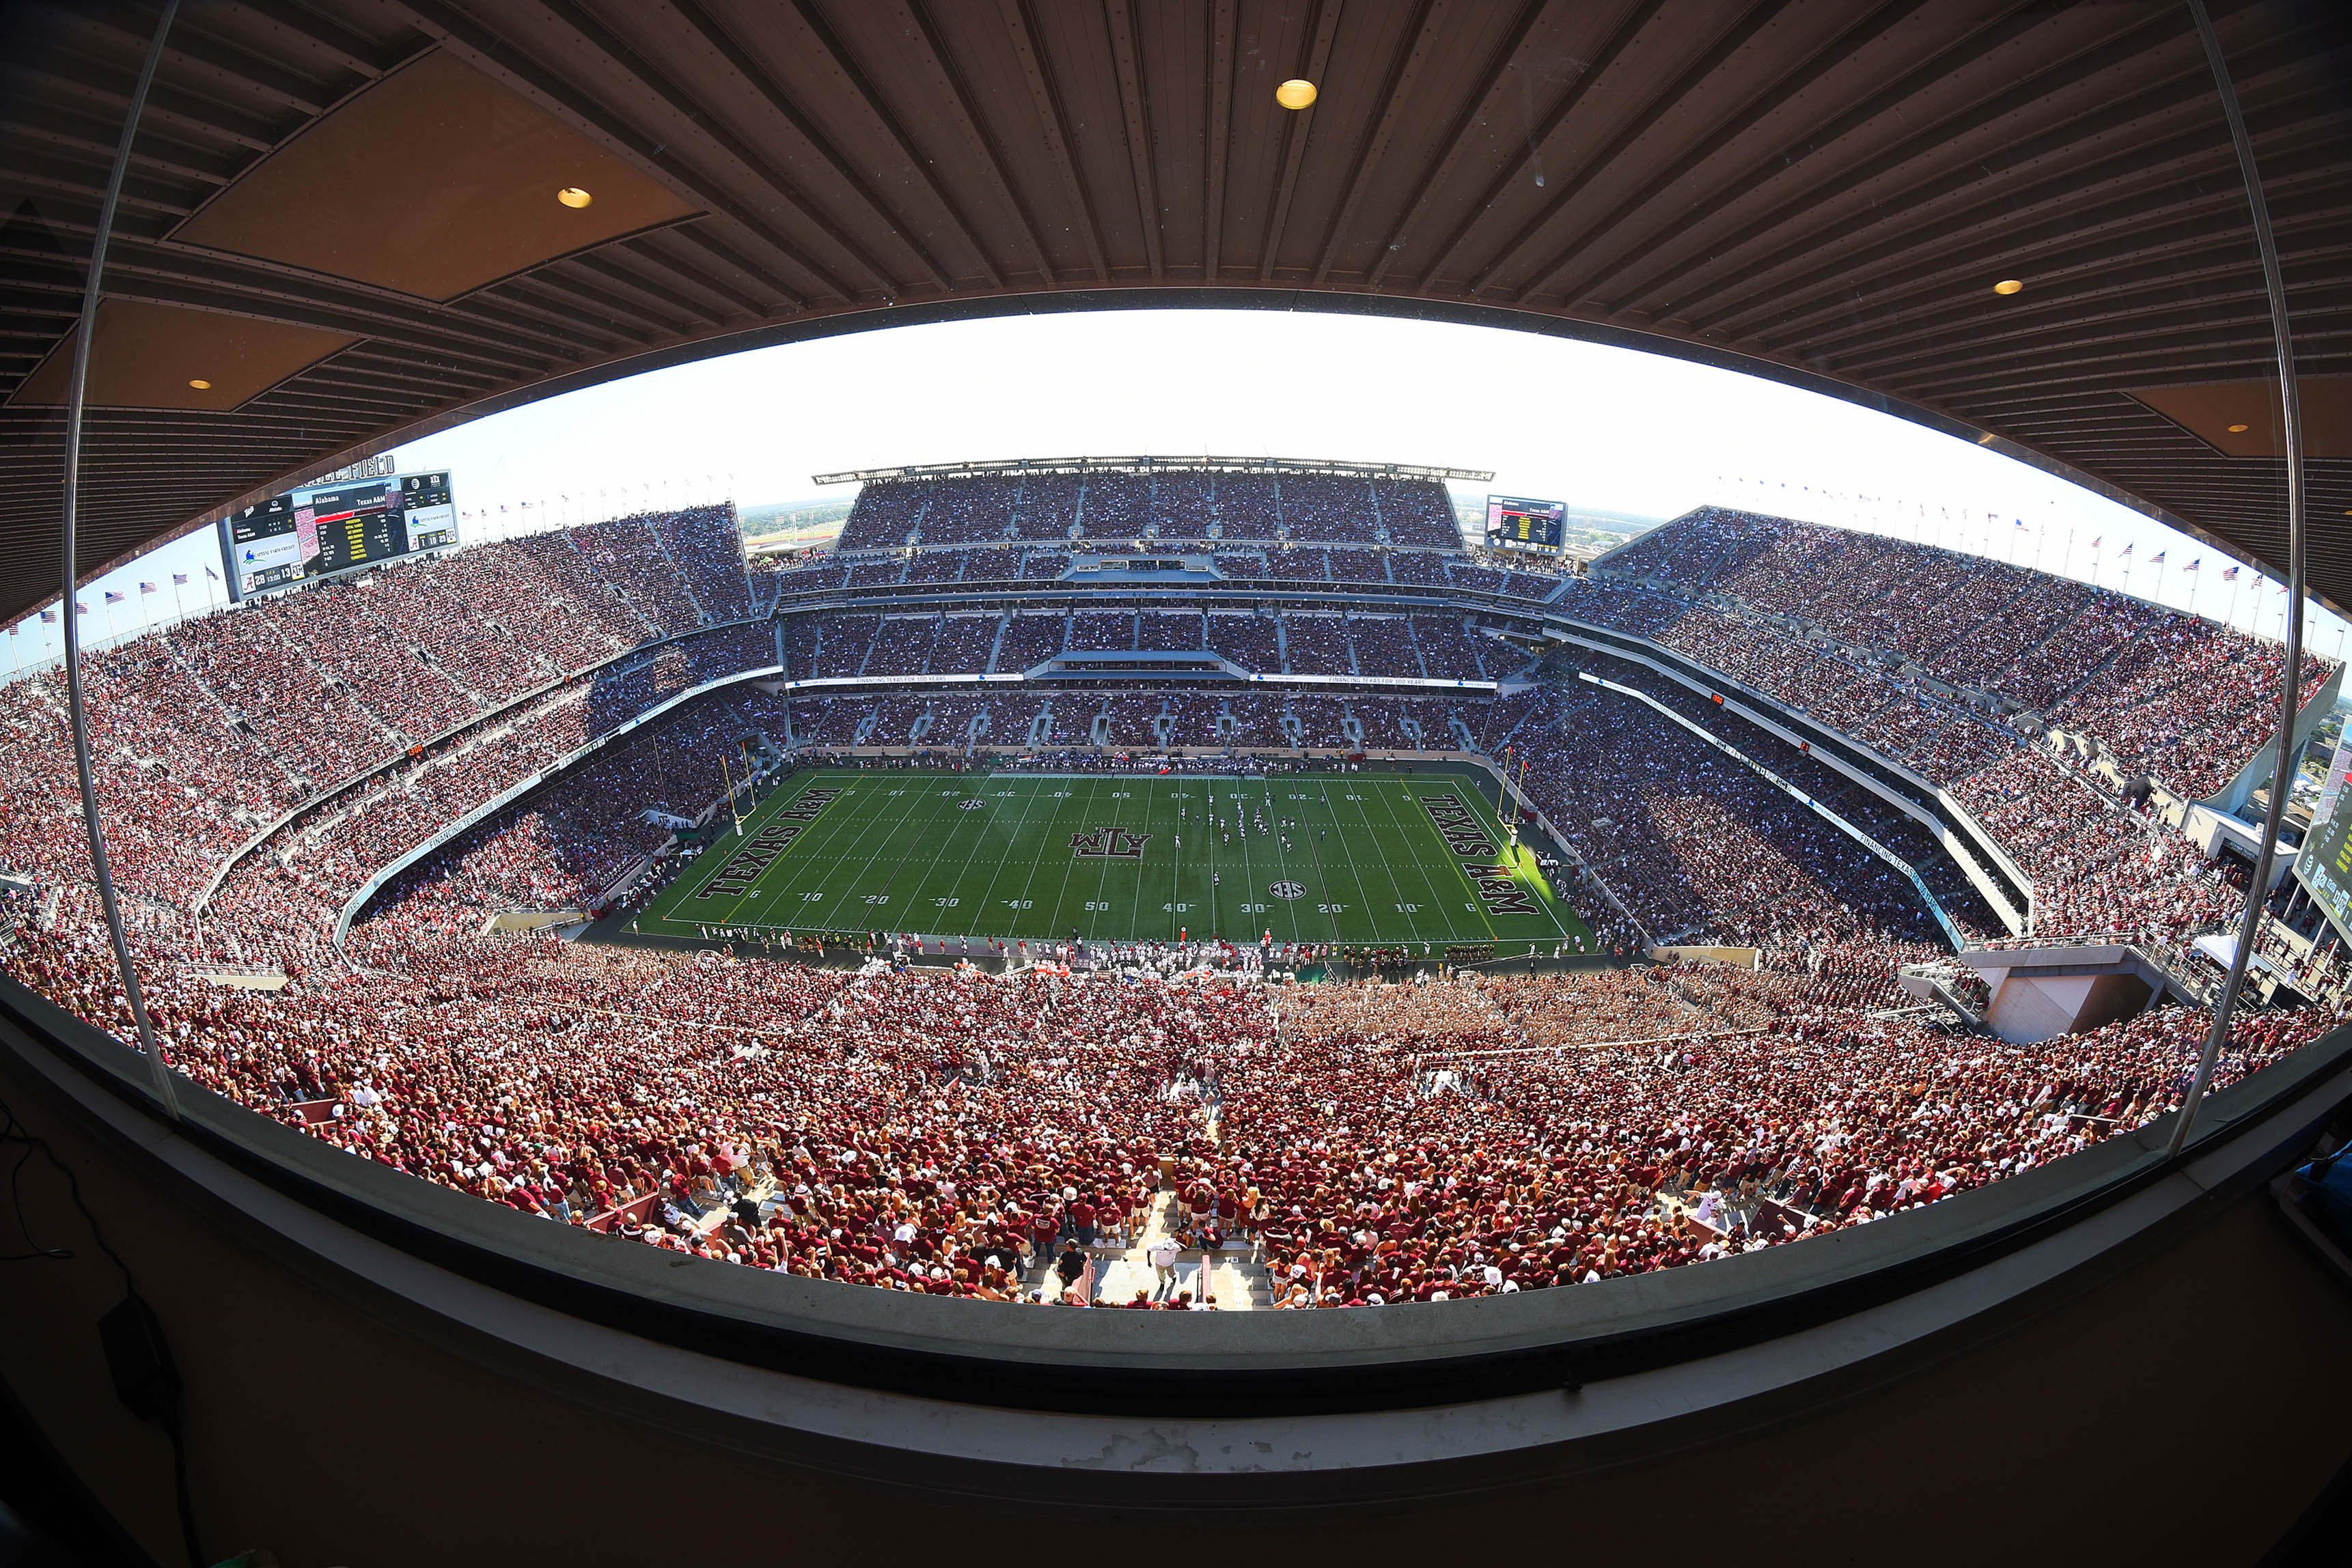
[1324, 858]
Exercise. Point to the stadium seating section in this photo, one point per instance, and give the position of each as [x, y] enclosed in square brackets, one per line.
[944, 1131]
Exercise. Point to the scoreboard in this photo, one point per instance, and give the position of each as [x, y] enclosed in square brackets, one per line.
[1515, 522]
[347, 522]
[2325, 865]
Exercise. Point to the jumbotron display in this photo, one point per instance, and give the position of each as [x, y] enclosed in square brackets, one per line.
[1515, 522]
[2325, 866]
[351, 521]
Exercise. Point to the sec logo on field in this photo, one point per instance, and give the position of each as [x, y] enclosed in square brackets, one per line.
[1288, 890]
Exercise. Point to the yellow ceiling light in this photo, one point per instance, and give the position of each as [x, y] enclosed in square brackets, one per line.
[2237, 429]
[2009, 286]
[1295, 93]
[201, 384]
[573, 196]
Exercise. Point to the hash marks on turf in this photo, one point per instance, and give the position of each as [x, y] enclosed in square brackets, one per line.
[1411, 826]
[900, 823]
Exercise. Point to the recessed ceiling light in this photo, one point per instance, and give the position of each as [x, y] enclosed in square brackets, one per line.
[2237, 429]
[2009, 286]
[1295, 93]
[201, 384]
[573, 196]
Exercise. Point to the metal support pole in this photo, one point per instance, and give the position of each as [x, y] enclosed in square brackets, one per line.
[2291, 412]
[80, 718]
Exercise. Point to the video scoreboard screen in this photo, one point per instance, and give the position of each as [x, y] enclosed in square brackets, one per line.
[1515, 522]
[2325, 866]
[335, 526]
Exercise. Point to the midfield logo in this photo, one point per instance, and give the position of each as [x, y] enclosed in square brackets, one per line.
[1105, 843]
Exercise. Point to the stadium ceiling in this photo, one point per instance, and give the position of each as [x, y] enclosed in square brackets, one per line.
[342, 216]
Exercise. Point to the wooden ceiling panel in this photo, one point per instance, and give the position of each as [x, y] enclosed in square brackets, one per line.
[2245, 419]
[153, 356]
[1822, 191]
[433, 182]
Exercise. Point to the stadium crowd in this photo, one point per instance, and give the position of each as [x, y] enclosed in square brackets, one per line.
[949, 1131]
[2165, 692]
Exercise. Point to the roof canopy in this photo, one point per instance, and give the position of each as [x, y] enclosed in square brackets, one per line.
[341, 227]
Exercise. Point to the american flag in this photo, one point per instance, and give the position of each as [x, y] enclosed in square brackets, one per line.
[113, 597]
[146, 586]
[179, 580]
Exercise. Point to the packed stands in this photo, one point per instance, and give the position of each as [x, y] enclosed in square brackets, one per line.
[1454, 1136]
[2184, 699]
[1398, 1144]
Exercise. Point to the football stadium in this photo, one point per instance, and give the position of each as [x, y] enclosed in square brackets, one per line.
[1163, 987]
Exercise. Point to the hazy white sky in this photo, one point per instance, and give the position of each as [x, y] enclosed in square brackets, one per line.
[1598, 427]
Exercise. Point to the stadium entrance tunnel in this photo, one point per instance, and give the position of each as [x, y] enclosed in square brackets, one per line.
[496, 1355]
[2039, 993]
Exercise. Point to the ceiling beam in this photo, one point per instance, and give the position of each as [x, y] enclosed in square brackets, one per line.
[1814, 75]
[1681, 90]
[1120, 17]
[1414, 44]
[763, 82]
[1323, 26]
[1218, 149]
[1021, 28]
[1629, 27]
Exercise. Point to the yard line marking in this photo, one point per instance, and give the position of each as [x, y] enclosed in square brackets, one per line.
[1348, 849]
[1422, 831]
[817, 858]
[1322, 880]
[1012, 844]
[877, 818]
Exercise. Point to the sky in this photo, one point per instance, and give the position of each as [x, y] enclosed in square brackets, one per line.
[1602, 428]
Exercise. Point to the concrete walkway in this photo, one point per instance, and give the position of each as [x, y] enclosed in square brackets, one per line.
[1239, 1284]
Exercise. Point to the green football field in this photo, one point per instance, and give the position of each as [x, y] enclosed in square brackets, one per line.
[1376, 860]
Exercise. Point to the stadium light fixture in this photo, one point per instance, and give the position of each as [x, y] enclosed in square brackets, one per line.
[2237, 429]
[573, 196]
[1295, 94]
[2010, 286]
[201, 384]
